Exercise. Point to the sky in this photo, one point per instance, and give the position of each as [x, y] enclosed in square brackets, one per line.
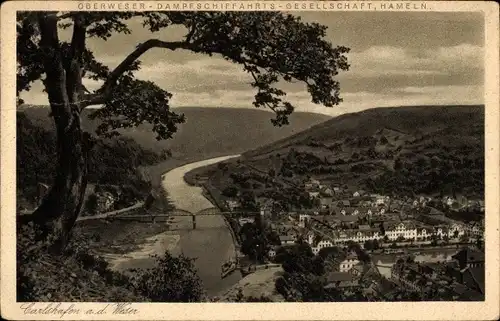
[396, 58]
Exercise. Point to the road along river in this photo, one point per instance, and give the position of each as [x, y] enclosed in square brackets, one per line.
[211, 243]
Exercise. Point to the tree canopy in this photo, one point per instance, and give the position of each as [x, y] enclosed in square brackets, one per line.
[172, 279]
[270, 46]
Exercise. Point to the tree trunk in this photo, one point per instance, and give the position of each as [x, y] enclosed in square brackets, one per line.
[62, 204]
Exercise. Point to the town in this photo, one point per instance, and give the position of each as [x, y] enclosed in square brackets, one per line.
[383, 245]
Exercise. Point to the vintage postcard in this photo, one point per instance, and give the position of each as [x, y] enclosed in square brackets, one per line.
[257, 160]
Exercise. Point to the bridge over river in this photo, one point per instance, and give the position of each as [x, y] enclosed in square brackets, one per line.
[175, 215]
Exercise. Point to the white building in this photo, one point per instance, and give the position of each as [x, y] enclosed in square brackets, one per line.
[423, 233]
[348, 263]
[343, 237]
[456, 231]
[402, 230]
[303, 219]
[233, 204]
[313, 194]
[287, 239]
[245, 220]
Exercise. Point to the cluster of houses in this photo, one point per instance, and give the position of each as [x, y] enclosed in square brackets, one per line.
[332, 197]
[461, 202]
[406, 231]
[328, 197]
[462, 278]
[329, 231]
[101, 199]
[344, 216]
[347, 216]
[459, 279]
[323, 231]
[340, 200]
[105, 201]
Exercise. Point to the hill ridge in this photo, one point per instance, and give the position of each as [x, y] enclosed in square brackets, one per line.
[360, 113]
[429, 150]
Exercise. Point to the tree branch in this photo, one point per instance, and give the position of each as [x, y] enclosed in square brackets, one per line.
[78, 38]
[246, 62]
[104, 92]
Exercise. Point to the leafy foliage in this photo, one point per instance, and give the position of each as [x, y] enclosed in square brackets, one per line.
[173, 279]
[302, 279]
[371, 245]
[256, 239]
[230, 191]
[135, 102]
[299, 258]
[35, 156]
[87, 277]
[112, 162]
[271, 46]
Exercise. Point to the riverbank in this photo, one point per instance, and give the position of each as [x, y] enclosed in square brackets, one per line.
[119, 237]
[258, 284]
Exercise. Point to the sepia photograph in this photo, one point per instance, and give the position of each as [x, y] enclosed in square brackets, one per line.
[249, 155]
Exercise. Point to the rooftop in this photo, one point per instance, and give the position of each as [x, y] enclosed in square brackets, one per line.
[477, 275]
[286, 238]
[340, 276]
[469, 255]
[348, 218]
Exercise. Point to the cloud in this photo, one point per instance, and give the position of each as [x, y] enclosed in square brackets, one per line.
[449, 94]
[353, 101]
[92, 84]
[396, 61]
[198, 75]
[379, 76]
[374, 69]
[466, 54]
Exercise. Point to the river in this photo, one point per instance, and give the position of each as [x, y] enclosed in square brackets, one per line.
[211, 243]
[185, 196]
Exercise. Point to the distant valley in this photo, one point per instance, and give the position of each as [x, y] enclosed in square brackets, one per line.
[207, 133]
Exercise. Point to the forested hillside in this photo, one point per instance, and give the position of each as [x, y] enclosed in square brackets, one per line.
[428, 150]
[112, 162]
